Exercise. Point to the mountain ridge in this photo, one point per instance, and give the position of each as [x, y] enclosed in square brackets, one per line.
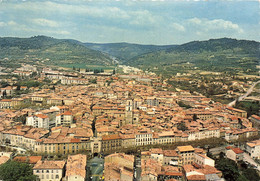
[55, 51]
[224, 54]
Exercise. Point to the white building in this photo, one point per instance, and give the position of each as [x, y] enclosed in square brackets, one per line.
[203, 160]
[38, 121]
[253, 148]
[235, 154]
[64, 119]
[143, 138]
[49, 170]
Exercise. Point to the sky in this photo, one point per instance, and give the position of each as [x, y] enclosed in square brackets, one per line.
[158, 22]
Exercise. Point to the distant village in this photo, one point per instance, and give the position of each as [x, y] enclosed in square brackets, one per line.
[129, 119]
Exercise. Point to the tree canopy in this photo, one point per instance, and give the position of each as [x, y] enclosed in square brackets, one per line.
[16, 171]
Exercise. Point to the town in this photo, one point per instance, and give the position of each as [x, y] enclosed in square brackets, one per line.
[122, 124]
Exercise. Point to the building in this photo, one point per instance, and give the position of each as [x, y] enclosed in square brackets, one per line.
[238, 112]
[203, 160]
[6, 104]
[28, 159]
[187, 154]
[253, 148]
[76, 168]
[64, 119]
[143, 138]
[255, 120]
[111, 143]
[194, 172]
[49, 170]
[5, 156]
[119, 166]
[38, 121]
[235, 154]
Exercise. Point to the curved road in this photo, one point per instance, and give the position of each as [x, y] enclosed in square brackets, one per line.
[245, 95]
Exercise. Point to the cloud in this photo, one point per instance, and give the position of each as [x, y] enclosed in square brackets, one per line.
[143, 18]
[178, 27]
[142, 21]
[2, 24]
[214, 25]
[45, 22]
[12, 23]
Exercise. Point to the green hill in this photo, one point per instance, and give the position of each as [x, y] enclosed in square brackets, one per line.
[126, 51]
[213, 55]
[50, 51]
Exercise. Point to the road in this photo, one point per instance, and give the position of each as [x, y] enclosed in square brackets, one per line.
[245, 95]
[248, 159]
[137, 169]
[96, 166]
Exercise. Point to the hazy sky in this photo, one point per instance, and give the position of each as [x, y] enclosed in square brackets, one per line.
[145, 22]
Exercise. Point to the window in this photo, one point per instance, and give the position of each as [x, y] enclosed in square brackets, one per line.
[57, 176]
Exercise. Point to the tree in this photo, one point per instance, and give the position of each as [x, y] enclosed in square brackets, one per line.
[229, 169]
[251, 174]
[195, 117]
[4, 94]
[16, 171]
[181, 126]
[18, 88]
[93, 81]
[4, 84]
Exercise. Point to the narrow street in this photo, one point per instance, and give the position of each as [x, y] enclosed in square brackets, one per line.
[138, 170]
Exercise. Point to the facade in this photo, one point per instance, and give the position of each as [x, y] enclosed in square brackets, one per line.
[235, 154]
[143, 138]
[203, 160]
[61, 146]
[119, 166]
[187, 154]
[38, 121]
[64, 119]
[111, 143]
[6, 104]
[238, 112]
[255, 120]
[49, 170]
[76, 168]
[253, 149]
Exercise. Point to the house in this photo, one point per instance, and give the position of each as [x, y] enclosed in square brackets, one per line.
[28, 159]
[235, 154]
[119, 166]
[253, 148]
[6, 104]
[203, 160]
[3, 159]
[38, 121]
[187, 153]
[195, 172]
[64, 119]
[111, 143]
[255, 120]
[5, 156]
[49, 170]
[76, 168]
